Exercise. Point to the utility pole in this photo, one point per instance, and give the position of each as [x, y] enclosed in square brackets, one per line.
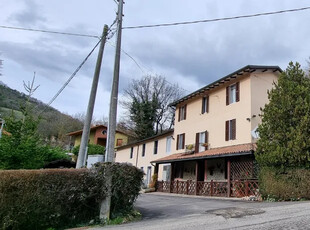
[109, 157]
[114, 93]
[2, 125]
[91, 102]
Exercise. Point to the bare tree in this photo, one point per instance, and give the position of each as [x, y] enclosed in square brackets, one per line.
[153, 94]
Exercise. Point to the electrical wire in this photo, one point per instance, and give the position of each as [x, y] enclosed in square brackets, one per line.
[217, 19]
[50, 31]
[141, 69]
[72, 76]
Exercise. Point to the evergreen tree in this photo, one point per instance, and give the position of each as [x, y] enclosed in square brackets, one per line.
[285, 128]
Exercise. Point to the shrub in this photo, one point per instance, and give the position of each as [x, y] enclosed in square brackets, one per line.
[288, 184]
[92, 150]
[23, 148]
[59, 198]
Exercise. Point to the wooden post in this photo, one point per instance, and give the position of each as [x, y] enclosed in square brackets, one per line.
[211, 188]
[206, 171]
[246, 188]
[187, 184]
[196, 187]
[156, 169]
[171, 177]
[228, 178]
[177, 186]
[156, 173]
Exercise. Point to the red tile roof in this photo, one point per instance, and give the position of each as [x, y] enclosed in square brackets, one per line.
[216, 152]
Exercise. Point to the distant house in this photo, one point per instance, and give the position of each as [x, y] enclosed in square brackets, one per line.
[211, 149]
[98, 136]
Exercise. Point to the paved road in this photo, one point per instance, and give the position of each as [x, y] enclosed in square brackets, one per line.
[163, 211]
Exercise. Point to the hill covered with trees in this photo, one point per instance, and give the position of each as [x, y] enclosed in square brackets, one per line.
[53, 124]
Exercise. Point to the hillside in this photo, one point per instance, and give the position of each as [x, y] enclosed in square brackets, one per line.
[53, 123]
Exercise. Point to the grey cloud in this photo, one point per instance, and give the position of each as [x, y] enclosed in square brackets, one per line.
[31, 15]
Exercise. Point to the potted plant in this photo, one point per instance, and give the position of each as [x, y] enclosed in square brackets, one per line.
[190, 147]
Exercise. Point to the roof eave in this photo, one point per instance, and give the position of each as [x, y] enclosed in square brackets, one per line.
[239, 72]
[205, 157]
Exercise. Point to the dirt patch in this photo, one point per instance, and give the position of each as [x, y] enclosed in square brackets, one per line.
[235, 212]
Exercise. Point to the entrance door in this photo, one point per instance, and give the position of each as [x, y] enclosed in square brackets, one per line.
[148, 175]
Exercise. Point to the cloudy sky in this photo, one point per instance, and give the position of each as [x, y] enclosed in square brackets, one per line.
[189, 55]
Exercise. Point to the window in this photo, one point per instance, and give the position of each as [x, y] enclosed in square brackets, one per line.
[104, 132]
[205, 105]
[131, 152]
[182, 113]
[232, 93]
[181, 141]
[142, 169]
[168, 144]
[230, 130]
[155, 147]
[119, 142]
[201, 141]
[143, 150]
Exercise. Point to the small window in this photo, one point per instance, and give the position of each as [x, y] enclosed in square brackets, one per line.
[205, 105]
[181, 141]
[168, 144]
[143, 150]
[230, 130]
[131, 152]
[155, 147]
[182, 113]
[104, 132]
[232, 93]
[119, 142]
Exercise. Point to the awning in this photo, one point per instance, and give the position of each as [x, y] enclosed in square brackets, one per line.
[234, 150]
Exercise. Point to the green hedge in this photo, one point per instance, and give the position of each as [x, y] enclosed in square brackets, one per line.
[288, 184]
[59, 198]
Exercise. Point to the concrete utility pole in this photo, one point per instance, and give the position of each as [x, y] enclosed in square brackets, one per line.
[114, 93]
[91, 102]
[109, 157]
[2, 125]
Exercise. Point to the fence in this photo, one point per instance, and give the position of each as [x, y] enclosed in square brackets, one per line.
[236, 188]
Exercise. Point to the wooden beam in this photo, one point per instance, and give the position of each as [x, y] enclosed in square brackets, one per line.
[171, 176]
[228, 178]
[197, 171]
[206, 171]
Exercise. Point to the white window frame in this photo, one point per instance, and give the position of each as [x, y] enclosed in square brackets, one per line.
[182, 113]
[233, 93]
[204, 105]
[168, 144]
[181, 140]
[202, 139]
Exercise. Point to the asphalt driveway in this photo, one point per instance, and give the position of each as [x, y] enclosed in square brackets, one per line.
[170, 211]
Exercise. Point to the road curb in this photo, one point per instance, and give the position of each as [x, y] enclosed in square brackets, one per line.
[194, 196]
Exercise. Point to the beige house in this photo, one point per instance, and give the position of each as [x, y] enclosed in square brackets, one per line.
[214, 136]
[141, 153]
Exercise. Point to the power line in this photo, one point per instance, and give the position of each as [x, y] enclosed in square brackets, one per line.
[72, 75]
[217, 19]
[141, 68]
[49, 31]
